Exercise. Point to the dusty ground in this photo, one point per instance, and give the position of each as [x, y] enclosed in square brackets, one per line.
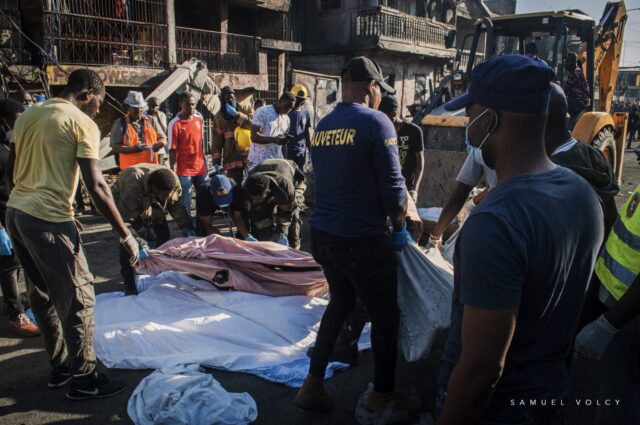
[25, 399]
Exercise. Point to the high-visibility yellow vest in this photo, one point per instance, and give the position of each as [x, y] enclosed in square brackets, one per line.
[619, 261]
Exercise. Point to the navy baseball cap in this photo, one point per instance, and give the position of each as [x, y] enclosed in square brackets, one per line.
[509, 83]
[221, 190]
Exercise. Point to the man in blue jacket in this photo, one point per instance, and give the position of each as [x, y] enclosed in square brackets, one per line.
[359, 185]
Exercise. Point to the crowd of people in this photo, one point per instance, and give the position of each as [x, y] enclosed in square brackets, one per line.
[632, 108]
[543, 259]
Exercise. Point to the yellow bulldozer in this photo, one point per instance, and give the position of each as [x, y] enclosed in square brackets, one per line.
[598, 46]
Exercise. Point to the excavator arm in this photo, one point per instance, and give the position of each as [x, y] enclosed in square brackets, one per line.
[192, 75]
[608, 48]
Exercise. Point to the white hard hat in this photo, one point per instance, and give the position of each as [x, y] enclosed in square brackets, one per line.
[135, 99]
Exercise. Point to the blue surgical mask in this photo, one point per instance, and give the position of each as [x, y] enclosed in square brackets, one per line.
[476, 151]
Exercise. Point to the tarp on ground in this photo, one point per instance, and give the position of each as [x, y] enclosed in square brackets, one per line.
[265, 268]
[179, 320]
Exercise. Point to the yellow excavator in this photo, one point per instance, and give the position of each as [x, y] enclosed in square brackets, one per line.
[600, 127]
[555, 34]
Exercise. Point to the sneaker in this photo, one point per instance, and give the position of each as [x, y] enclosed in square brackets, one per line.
[94, 385]
[312, 396]
[23, 326]
[403, 401]
[58, 377]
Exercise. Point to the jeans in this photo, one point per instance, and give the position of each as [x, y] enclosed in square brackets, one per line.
[61, 295]
[186, 182]
[364, 268]
[297, 154]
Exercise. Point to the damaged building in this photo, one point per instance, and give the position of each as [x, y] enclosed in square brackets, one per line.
[406, 37]
[259, 47]
[134, 44]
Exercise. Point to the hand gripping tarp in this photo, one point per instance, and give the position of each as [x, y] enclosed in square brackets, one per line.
[425, 287]
[259, 267]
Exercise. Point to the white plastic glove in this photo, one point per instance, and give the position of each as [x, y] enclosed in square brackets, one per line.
[594, 338]
[468, 207]
[434, 242]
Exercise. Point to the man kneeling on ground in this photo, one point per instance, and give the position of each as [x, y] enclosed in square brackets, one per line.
[144, 194]
[274, 184]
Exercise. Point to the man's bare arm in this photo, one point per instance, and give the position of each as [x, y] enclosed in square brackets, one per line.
[172, 159]
[101, 194]
[207, 224]
[398, 219]
[261, 139]
[419, 170]
[10, 167]
[239, 222]
[486, 338]
[452, 208]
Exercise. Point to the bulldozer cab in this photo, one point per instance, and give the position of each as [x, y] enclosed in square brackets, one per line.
[554, 34]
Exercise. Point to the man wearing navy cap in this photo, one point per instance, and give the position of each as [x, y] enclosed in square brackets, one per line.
[522, 262]
[358, 185]
[214, 195]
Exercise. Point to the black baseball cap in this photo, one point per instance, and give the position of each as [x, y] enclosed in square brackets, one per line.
[389, 104]
[227, 90]
[361, 68]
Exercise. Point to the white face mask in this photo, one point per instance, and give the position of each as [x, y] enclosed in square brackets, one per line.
[476, 151]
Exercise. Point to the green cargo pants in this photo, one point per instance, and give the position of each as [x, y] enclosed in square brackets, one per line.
[62, 295]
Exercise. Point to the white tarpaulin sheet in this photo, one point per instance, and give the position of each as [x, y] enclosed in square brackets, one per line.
[183, 395]
[425, 288]
[179, 320]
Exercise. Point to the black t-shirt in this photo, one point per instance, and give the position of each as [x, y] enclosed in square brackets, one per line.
[410, 142]
[205, 202]
[532, 243]
[238, 199]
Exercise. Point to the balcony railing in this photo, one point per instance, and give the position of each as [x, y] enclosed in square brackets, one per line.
[392, 25]
[221, 51]
[90, 40]
[464, 59]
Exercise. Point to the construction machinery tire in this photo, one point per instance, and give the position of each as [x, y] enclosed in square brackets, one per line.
[605, 142]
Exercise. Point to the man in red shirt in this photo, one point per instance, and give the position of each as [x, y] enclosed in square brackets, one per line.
[186, 153]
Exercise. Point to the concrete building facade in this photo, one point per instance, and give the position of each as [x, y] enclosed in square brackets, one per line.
[408, 45]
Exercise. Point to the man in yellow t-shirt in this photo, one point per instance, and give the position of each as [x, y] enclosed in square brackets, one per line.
[53, 142]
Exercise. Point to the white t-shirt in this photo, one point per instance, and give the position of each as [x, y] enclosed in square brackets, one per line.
[471, 174]
[272, 124]
[565, 147]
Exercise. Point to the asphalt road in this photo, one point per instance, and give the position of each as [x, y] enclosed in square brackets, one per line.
[25, 398]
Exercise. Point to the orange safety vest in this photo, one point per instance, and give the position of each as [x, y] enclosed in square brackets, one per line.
[130, 138]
